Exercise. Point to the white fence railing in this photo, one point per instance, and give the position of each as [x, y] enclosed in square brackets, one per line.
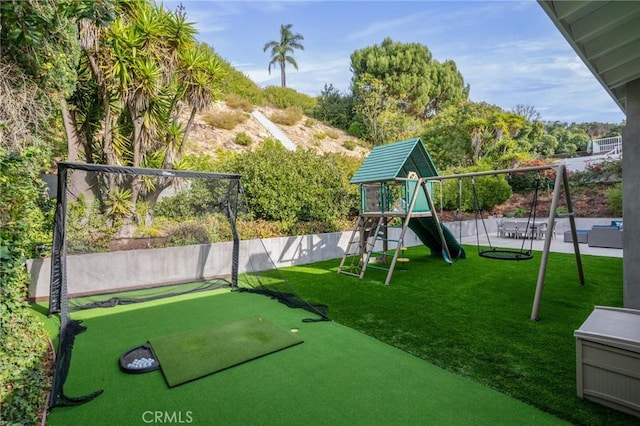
[612, 145]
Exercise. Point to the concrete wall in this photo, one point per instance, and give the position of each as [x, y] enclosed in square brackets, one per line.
[138, 268]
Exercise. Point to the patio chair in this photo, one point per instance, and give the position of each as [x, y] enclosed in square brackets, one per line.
[510, 230]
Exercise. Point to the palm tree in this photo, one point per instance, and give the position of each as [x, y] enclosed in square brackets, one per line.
[281, 50]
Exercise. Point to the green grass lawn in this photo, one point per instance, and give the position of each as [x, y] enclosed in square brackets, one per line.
[472, 318]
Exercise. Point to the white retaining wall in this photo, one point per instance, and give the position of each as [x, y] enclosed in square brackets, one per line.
[136, 268]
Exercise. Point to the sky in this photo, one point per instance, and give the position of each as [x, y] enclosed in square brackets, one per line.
[509, 52]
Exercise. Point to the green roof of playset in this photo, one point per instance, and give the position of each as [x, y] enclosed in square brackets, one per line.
[396, 160]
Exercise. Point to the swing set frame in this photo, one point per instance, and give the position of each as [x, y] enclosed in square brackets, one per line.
[561, 180]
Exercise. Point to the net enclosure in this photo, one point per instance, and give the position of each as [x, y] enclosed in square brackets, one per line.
[125, 235]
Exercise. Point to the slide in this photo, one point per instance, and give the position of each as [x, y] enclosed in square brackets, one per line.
[426, 230]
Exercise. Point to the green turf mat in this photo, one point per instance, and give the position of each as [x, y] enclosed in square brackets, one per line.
[197, 353]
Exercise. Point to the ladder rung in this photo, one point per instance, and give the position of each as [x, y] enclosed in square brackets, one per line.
[382, 268]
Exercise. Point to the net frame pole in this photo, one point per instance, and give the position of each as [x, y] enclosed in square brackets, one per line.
[58, 292]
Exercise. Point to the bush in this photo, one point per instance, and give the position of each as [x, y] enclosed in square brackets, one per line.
[607, 171]
[237, 102]
[350, 145]
[299, 186]
[188, 233]
[333, 134]
[614, 196]
[23, 347]
[491, 191]
[237, 83]
[288, 117]
[88, 229]
[284, 97]
[225, 120]
[526, 181]
[357, 129]
[334, 108]
[243, 139]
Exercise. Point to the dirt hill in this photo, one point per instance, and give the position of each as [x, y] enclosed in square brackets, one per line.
[307, 133]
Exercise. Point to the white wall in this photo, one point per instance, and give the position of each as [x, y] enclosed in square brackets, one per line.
[138, 268]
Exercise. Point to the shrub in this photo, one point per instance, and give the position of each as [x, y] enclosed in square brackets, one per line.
[88, 229]
[288, 117]
[491, 191]
[320, 135]
[237, 102]
[607, 171]
[334, 108]
[310, 122]
[235, 82]
[188, 233]
[298, 186]
[23, 347]
[349, 144]
[243, 139]
[284, 97]
[526, 181]
[357, 129]
[225, 120]
[333, 134]
[614, 196]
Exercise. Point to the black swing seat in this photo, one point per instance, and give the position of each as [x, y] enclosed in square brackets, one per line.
[506, 254]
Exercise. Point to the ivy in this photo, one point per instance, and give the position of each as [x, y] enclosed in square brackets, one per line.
[23, 347]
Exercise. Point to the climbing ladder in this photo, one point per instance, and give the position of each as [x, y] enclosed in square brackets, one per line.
[372, 228]
[363, 240]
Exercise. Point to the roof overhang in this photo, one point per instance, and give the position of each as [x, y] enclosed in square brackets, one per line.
[606, 36]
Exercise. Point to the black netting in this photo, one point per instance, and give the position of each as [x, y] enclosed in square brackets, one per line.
[125, 235]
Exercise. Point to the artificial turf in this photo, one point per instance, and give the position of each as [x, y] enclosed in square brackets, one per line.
[338, 376]
[472, 318]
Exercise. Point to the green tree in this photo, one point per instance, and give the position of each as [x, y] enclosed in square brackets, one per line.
[282, 50]
[570, 137]
[409, 76]
[334, 108]
[371, 103]
[138, 73]
[470, 133]
[546, 145]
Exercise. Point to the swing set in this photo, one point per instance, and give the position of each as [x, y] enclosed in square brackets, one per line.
[507, 253]
[561, 180]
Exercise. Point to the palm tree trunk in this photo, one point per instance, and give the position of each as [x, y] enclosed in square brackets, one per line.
[283, 78]
[70, 128]
[192, 116]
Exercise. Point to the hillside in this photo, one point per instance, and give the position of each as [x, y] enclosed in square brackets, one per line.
[307, 133]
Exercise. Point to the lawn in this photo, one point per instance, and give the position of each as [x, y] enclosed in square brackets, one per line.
[470, 319]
